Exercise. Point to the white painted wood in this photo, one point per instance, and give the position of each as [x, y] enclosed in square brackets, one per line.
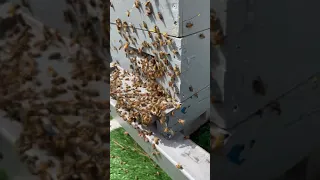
[114, 125]
[281, 141]
[193, 59]
[176, 14]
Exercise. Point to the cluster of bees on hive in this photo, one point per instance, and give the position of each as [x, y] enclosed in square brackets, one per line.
[139, 96]
[73, 132]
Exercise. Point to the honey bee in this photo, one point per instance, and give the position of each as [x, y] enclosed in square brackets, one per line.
[125, 26]
[128, 13]
[137, 3]
[202, 36]
[160, 16]
[131, 52]
[165, 35]
[145, 44]
[189, 25]
[181, 121]
[176, 70]
[132, 27]
[156, 29]
[148, 3]
[162, 43]
[156, 140]
[166, 62]
[145, 25]
[126, 46]
[140, 50]
[150, 34]
[169, 42]
[179, 166]
[119, 24]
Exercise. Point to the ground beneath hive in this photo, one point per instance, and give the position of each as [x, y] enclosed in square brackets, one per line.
[129, 162]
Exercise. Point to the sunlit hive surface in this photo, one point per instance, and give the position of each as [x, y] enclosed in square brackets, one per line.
[181, 65]
[178, 18]
[168, 44]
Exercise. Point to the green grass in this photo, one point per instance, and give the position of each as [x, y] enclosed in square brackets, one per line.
[129, 162]
[202, 137]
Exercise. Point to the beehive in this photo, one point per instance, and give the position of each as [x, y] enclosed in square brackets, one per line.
[177, 58]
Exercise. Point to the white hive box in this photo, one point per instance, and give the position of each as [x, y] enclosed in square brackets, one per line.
[177, 15]
[194, 111]
[193, 60]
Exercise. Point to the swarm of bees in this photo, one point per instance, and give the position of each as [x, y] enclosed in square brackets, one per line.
[73, 130]
[141, 99]
[138, 100]
[156, 66]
